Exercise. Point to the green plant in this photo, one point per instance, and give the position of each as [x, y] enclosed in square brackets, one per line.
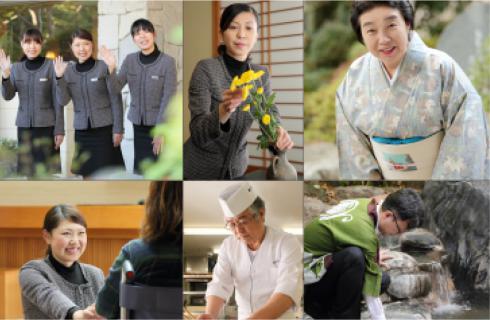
[480, 74]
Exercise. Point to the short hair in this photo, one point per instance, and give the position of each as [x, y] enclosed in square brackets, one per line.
[407, 204]
[142, 24]
[256, 206]
[361, 6]
[229, 14]
[163, 211]
[59, 213]
[81, 34]
[32, 34]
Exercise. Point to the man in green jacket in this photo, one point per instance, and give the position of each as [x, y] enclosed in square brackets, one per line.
[341, 253]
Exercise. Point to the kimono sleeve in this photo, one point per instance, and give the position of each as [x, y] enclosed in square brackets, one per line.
[356, 159]
[44, 294]
[222, 283]
[464, 151]
[289, 281]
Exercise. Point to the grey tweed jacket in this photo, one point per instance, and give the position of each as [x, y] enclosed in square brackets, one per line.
[38, 106]
[210, 152]
[151, 86]
[47, 295]
[93, 97]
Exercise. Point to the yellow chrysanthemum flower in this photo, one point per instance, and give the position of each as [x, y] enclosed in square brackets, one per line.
[245, 93]
[258, 74]
[266, 119]
[247, 76]
[260, 90]
[234, 83]
[246, 107]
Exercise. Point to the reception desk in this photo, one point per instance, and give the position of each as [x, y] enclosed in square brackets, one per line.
[109, 228]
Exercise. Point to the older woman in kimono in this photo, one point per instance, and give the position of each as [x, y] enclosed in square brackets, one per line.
[406, 111]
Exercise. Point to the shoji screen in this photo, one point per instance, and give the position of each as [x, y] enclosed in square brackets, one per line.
[280, 48]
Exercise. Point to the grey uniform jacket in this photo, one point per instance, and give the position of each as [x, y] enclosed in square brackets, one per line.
[210, 153]
[47, 295]
[38, 106]
[151, 86]
[93, 97]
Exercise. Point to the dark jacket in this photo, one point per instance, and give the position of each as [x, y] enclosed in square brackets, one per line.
[212, 153]
[158, 264]
[93, 97]
[151, 86]
[38, 106]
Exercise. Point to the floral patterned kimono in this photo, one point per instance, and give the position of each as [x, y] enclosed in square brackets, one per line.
[428, 94]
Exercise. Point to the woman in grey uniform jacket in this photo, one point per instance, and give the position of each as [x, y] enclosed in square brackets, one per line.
[152, 79]
[58, 286]
[98, 107]
[216, 148]
[40, 125]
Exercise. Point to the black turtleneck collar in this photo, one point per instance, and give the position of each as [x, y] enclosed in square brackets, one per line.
[71, 274]
[86, 65]
[149, 58]
[35, 63]
[235, 67]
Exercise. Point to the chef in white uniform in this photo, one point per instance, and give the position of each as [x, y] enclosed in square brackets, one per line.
[262, 264]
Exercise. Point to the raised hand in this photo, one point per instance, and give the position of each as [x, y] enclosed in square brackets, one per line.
[4, 64]
[108, 57]
[59, 66]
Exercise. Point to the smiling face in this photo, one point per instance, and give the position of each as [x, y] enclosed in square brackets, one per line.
[32, 49]
[67, 241]
[82, 49]
[385, 34]
[240, 36]
[145, 40]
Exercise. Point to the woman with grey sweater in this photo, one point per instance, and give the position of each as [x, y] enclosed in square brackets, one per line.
[58, 286]
[98, 107]
[152, 79]
[217, 147]
[40, 125]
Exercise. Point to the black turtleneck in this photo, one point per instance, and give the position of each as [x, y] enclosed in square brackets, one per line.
[35, 63]
[71, 274]
[149, 58]
[86, 65]
[234, 66]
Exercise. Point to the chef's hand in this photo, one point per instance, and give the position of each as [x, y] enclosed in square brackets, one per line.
[231, 101]
[284, 141]
[58, 140]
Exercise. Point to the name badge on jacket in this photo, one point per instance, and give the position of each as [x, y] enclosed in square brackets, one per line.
[94, 79]
[155, 77]
[43, 79]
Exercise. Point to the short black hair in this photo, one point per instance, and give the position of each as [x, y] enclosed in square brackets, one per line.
[32, 34]
[229, 14]
[82, 34]
[407, 204]
[361, 6]
[142, 24]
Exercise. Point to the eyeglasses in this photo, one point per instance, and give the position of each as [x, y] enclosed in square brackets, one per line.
[396, 223]
[232, 224]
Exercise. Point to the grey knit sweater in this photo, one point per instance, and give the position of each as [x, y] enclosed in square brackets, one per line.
[93, 97]
[46, 295]
[151, 86]
[37, 96]
[210, 153]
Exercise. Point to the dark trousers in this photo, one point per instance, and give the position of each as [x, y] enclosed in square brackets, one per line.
[143, 146]
[338, 293]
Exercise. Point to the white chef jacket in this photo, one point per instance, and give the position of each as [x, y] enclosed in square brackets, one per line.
[276, 267]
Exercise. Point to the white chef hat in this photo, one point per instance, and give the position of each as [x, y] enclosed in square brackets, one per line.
[236, 198]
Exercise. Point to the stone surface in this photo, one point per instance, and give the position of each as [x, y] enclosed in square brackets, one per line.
[458, 214]
[312, 208]
[321, 161]
[107, 24]
[126, 20]
[352, 192]
[419, 240]
[404, 286]
[400, 262]
[403, 310]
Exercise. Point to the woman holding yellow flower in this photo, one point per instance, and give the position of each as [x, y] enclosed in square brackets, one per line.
[219, 86]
